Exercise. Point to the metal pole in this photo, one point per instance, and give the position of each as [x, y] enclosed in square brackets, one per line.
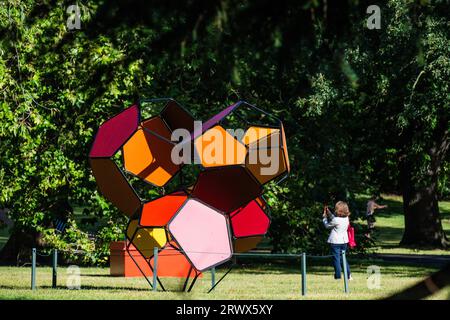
[55, 268]
[303, 274]
[155, 268]
[344, 262]
[33, 269]
[213, 277]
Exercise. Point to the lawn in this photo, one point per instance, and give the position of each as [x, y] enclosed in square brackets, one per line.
[390, 225]
[263, 281]
[266, 281]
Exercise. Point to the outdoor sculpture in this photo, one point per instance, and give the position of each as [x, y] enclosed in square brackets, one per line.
[223, 212]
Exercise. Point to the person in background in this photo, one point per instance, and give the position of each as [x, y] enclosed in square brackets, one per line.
[371, 207]
[338, 239]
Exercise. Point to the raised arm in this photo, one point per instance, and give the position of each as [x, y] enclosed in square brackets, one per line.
[377, 206]
[329, 224]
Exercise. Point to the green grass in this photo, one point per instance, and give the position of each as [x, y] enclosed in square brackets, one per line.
[264, 281]
[390, 225]
[261, 282]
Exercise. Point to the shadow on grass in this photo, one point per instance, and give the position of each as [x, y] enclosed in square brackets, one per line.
[357, 265]
[83, 287]
[387, 235]
[103, 275]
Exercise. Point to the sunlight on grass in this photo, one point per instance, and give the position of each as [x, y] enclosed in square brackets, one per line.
[257, 282]
[390, 226]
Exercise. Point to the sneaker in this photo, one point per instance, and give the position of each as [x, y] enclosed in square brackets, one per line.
[350, 278]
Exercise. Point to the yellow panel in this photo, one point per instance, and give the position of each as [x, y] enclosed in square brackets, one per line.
[216, 147]
[146, 239]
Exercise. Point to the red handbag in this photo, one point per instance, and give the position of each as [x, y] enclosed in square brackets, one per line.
[351, 236]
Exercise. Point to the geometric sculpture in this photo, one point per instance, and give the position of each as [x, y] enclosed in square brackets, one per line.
[198, 226]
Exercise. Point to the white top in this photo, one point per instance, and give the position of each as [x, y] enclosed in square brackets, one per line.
[338, 226]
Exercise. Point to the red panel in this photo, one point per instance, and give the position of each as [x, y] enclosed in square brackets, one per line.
[113, 133]
[157, 213]
[249, 221]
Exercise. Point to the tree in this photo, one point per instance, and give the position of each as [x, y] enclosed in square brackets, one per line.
[412, 110]
[358, 104]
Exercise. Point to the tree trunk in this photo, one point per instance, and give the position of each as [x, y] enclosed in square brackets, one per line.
[18, 247]
[423, 226]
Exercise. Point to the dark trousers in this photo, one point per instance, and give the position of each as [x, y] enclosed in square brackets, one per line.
[336, 251]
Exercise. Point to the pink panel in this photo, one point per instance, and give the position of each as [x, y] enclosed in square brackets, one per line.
[203, 234]
[113, 133]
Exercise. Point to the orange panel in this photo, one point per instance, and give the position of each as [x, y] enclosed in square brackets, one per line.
[171, 263]
[285, 150]
[278, 165]
[122, 265]
[216, 147]
[253, 134]
[158, 212]
[149, 157]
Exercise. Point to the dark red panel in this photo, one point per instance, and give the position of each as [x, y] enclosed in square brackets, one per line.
[114, 187]
[227, 188]
[113, 133]
[250, 220]
[177, 117]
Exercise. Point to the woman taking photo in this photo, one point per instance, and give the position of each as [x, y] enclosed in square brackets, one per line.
[338, 239]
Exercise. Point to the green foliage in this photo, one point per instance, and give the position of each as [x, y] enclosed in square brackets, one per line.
[353, 100]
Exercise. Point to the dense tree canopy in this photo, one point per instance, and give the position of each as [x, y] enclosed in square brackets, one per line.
[365, 110]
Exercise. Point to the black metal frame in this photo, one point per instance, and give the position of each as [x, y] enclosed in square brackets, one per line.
[130, 242]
